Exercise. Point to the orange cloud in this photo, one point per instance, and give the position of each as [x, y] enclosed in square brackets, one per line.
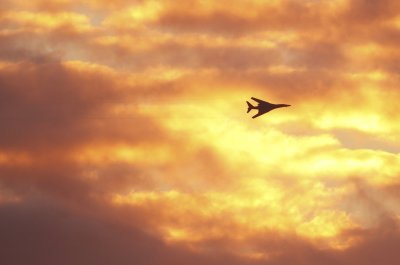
[125, 122]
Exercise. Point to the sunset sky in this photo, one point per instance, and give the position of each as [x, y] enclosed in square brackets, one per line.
[124, 137]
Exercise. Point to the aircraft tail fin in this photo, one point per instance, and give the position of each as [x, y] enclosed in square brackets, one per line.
[249, 107]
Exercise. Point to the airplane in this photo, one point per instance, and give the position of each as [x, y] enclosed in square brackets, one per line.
[263, 107]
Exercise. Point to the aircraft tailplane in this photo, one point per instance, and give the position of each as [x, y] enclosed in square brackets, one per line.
[249, 107]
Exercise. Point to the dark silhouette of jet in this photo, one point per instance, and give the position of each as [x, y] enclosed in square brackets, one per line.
[263, 107]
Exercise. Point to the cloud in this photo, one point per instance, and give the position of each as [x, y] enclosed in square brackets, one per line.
[124, 137]
[48, 234]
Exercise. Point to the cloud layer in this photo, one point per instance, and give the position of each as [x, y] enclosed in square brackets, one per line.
[124, 137]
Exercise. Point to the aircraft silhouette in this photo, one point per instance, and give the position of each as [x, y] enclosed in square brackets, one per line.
[263, 106]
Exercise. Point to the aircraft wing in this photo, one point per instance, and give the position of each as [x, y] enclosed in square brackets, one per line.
[258, 114]
[259, 101]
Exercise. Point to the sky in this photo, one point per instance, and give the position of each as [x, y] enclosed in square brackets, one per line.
[124, 137]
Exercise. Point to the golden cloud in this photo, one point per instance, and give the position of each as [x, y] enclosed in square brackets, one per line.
[130, 119]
